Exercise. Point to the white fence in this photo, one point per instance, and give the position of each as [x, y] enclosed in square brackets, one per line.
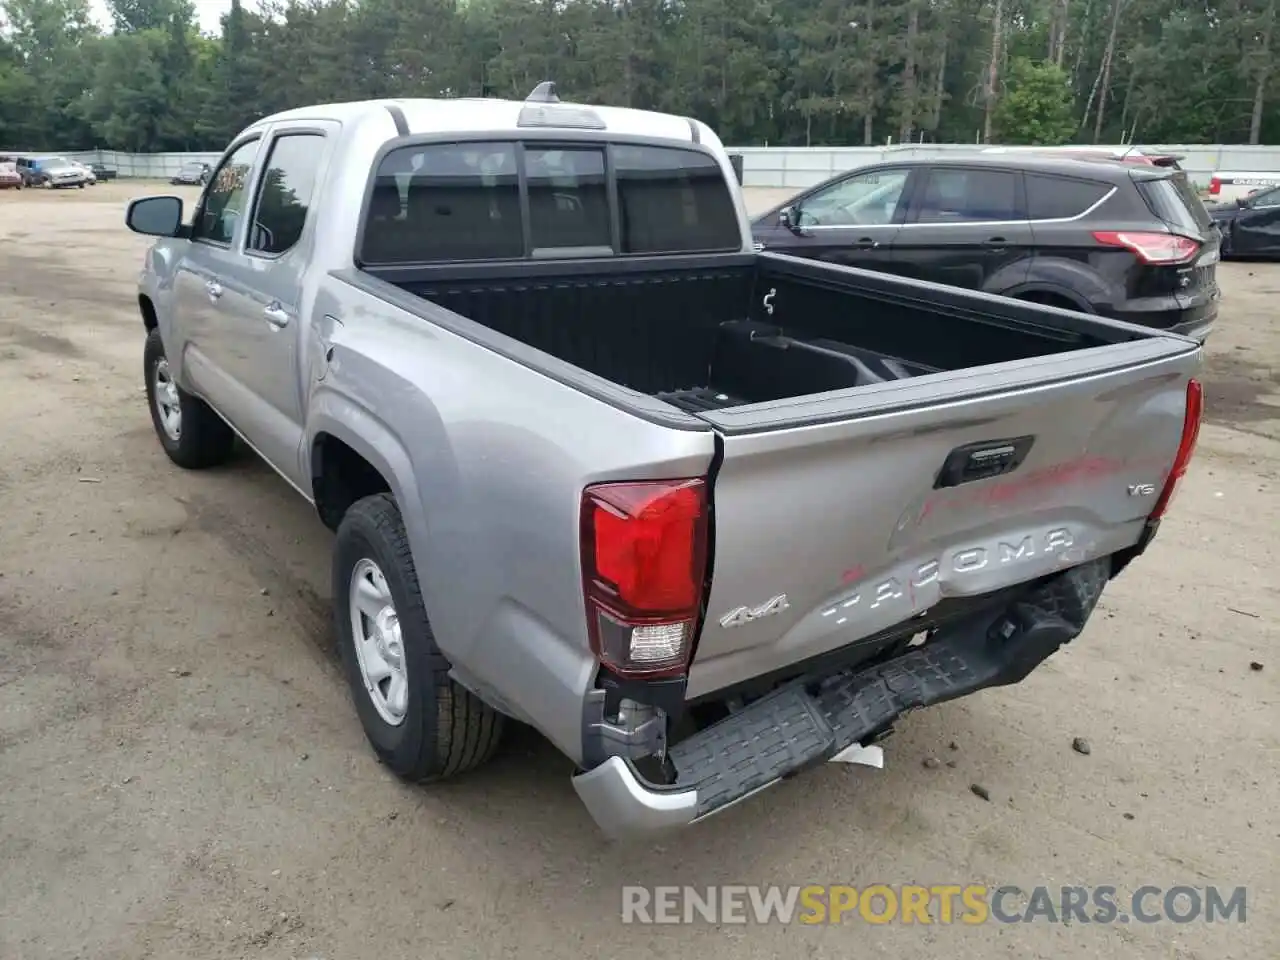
[799, 167]
[155, 166]
[785, 167]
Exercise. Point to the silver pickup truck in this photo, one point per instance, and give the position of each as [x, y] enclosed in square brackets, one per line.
[703, 516]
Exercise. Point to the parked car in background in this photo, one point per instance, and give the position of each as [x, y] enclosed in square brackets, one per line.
[1123, 240]
[193, 172]
[89, 176]
[25, 166]
[10, 178]
[102, 172]
[30, 170]
[1228, 186]
[58, 172]
[1250, 225]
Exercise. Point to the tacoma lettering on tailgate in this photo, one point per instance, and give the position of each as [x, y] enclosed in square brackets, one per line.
[966, 561]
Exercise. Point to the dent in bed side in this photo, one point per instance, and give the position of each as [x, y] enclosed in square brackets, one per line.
[488, 459]
[331, 416]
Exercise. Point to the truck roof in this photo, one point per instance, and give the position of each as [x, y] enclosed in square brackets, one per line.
[471, 114]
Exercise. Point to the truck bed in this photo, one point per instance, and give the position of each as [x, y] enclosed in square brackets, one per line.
[725, 332]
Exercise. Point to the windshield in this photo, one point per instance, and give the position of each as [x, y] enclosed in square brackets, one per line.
[192, 167]
[1265, 198]
[1176, 202]
[55, 162]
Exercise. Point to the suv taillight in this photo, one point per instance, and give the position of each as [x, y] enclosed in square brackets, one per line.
[1186, 447]
[1154, 248]
[644, 559]
[1215, 186]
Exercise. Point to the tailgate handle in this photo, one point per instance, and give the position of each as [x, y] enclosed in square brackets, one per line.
[978, 461]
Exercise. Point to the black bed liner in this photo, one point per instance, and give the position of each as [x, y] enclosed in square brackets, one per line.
[753, 362]
[704, 333]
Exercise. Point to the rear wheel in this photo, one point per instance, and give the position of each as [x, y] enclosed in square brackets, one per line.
[192, 435]
[421, 724]
[1050, 300]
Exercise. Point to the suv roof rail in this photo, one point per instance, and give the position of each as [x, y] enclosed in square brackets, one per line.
[545, 92]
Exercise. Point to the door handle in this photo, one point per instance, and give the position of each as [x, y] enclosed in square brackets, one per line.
[213, 288]
[996, 242]
[866, 243]
[275, 315]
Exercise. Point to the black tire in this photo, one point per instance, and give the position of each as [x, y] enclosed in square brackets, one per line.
[1224, 248]
[204, 439]
[446, 729]
[1051, 300]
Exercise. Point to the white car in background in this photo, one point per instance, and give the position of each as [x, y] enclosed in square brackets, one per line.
[60, 172]
[1227, 186]
[89, 176]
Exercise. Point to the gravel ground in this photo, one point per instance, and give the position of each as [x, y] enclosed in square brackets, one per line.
[183, 776]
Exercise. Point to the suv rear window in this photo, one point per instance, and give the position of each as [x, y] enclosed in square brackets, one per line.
[457, 202]
[959, 194]
[1176, 202]
[1059, 198]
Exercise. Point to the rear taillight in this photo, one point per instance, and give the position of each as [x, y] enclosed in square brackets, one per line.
[644, 558]
[1187, 446]
[1150, 247]
[1215, 186]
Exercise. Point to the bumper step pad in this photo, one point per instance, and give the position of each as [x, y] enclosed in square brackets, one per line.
[810, 721]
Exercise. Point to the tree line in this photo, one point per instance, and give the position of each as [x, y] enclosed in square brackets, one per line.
[771, 72]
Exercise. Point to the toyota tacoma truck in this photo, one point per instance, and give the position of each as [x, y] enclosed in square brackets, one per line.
[703, 516]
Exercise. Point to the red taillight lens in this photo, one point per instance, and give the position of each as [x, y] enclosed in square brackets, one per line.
[1215, 186]
[1190, 434]
[644, 556]
[1150, 247]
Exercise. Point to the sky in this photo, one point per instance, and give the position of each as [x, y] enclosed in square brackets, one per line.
[208, 12]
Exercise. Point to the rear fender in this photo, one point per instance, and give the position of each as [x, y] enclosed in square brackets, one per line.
[360, 429]
[1028, 290]
[1068, 278]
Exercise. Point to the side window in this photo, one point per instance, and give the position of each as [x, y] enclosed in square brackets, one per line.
[445, 202]
[224, 199]
[673, 201]
[1057, 198]
[288, 182]
[866, 199]
[958, 195]
[1264, 199]
[568, 199]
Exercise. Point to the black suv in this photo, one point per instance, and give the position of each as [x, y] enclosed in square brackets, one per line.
[1128, 241]
[1251, 225]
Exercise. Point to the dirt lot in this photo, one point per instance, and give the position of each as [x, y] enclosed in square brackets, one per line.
[181, 774]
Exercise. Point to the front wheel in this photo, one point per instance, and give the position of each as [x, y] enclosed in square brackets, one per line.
[421, 724]
[192, 435]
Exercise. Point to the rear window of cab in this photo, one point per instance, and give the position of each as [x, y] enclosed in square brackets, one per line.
[505, 200]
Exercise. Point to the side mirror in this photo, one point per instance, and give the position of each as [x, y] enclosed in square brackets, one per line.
[789, 217]
[155, 216]
[1242, 202]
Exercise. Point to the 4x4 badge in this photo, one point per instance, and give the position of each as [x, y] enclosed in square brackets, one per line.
[744, 615]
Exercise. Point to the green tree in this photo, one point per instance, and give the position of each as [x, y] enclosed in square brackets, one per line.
[1035, 106]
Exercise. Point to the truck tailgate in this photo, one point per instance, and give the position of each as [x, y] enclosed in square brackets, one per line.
[840, 515]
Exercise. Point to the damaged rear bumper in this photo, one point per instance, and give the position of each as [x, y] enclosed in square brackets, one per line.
[810, 720]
